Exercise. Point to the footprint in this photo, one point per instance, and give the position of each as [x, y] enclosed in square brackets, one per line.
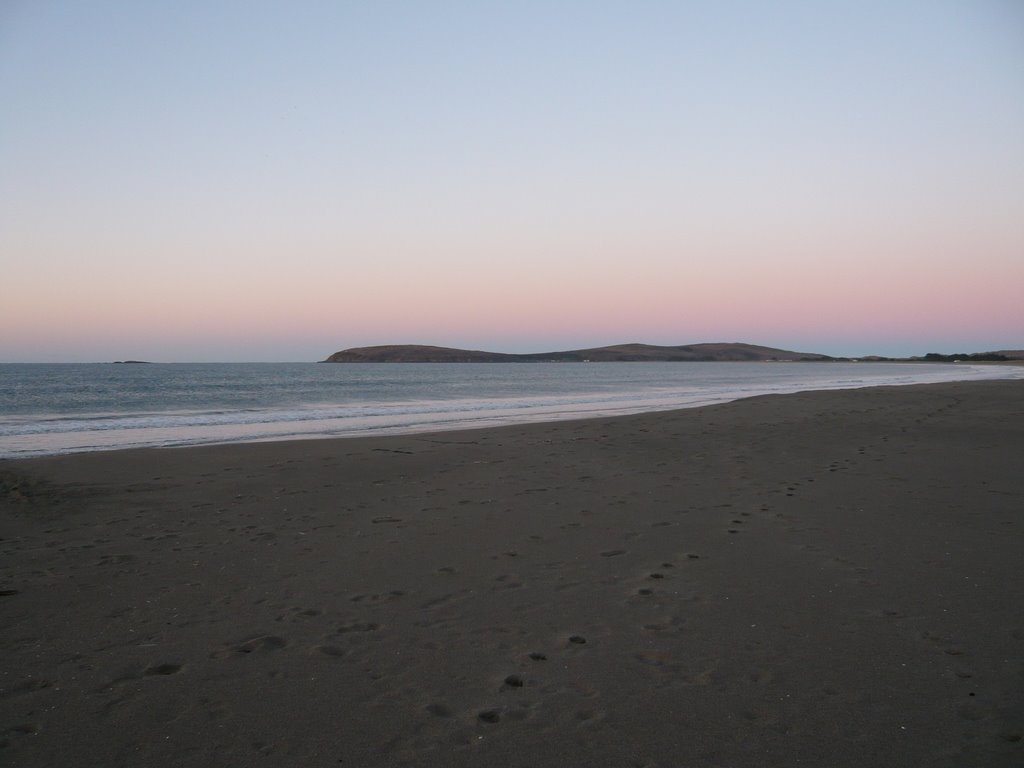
[299, 615]
[29, 686]
[23, 729]
[368, 626]
[331, 650]
[262, 644]
[972, 711]
[115, 559]
[383, 596]
[163, 669]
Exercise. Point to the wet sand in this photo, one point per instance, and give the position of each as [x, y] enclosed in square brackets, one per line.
[826, 579]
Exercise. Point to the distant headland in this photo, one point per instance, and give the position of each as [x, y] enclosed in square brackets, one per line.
[636, 353]
[619, 353]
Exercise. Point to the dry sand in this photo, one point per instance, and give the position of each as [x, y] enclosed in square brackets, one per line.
[824, 579]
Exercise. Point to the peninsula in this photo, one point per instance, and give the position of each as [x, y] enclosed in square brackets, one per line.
[619, 353]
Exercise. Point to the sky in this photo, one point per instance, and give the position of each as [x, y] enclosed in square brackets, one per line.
[250, 181]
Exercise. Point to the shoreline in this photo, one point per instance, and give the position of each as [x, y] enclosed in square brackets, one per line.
[217, 425]
[828, 577]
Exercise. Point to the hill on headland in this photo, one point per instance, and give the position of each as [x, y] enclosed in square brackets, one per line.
[619, 353]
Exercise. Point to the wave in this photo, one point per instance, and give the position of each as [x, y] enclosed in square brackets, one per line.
[27, 435]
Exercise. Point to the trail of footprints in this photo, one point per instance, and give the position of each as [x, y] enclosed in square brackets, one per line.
[338, 645]
[563, 651]
[515, 692]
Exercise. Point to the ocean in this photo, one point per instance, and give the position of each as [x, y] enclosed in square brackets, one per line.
[65, 408]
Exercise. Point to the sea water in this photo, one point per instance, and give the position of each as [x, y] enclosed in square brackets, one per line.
[62, 408]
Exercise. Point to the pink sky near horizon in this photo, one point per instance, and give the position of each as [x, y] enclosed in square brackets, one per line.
[263, 184]
[833, 311]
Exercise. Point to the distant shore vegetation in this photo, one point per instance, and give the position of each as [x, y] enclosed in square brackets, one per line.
[975, 357]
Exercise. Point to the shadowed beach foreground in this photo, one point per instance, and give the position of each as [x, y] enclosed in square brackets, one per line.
[825, 579]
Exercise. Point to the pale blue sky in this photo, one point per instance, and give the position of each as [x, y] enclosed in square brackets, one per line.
[217, 180]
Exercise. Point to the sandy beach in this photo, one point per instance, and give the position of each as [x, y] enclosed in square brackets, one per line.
[821, 579]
